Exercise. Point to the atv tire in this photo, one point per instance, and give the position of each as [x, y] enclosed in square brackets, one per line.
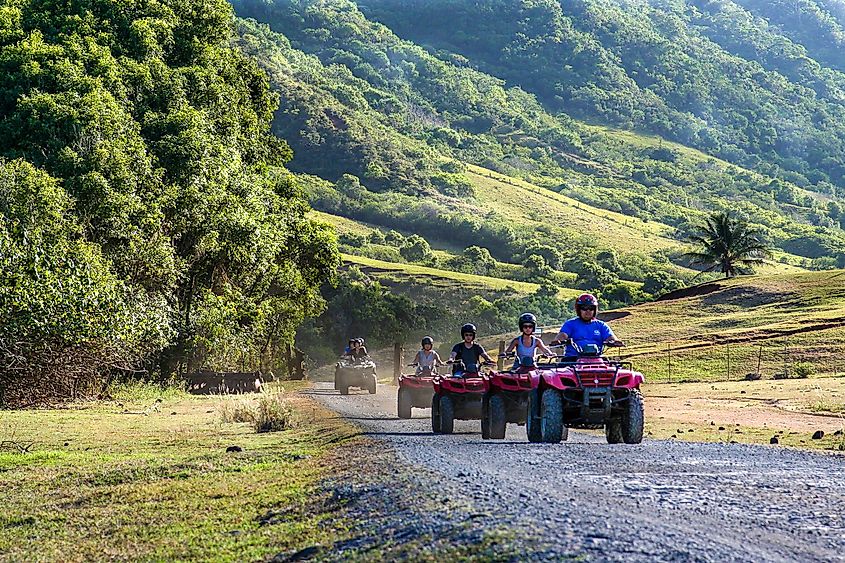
[497, 417]
[435, 414]
[403, 401]
[447, 415]
[613, 432]
[485, 418]
[633, 419]
[551, 422]
[532, 420]
[371, 384]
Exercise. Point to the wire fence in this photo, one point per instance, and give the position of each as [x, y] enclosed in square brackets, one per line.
[783, 358]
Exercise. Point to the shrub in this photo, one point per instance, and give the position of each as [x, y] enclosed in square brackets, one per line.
[803, 370]
[270, 413]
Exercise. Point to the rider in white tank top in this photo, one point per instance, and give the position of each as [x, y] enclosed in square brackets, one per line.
[527, 324]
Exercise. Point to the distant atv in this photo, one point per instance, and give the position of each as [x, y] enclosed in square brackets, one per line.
[415, 390]
[590, 392]
[457, 396]
[506, 399]
[359, 372]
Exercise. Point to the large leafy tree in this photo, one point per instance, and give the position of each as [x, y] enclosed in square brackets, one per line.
[728, 245]
[156, 133]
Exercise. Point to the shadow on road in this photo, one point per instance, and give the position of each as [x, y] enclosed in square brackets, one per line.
[430, 434]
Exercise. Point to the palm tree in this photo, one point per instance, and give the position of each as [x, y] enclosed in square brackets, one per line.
[727, 245]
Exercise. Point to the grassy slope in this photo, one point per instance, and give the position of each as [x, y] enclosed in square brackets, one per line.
[441, 277]
[531, 206]
[781, 320]
[718, 330]
[106, 481]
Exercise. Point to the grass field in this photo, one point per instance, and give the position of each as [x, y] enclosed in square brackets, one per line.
[140, 479]
[526, 204]
[791, 324]
[445, 277]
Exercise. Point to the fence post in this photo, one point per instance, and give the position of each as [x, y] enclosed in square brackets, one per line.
[298, 364]
[500, 361]
[397, 362]
[759, 360]
[785, 370]
[288, 360]
[669, 352]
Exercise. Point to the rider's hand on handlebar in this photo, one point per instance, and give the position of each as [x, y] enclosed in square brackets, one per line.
[615, 344]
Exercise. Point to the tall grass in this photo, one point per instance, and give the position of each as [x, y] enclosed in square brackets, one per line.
[267, 413]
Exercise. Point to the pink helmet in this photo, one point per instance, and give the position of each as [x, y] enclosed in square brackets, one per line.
[586, 300]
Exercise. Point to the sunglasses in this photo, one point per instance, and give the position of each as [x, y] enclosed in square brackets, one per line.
[527, 326]
[588, 308]
[469, 334]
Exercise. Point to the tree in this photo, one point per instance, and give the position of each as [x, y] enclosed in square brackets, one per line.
[476, 260]
[156, 131]
[728, 245]
[415, 249]
[594, 277]
[537, 267]
[660, 282]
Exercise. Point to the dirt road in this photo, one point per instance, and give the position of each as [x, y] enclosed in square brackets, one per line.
[661, 500]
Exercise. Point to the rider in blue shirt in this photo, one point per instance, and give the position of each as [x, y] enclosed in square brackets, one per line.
[585, 328]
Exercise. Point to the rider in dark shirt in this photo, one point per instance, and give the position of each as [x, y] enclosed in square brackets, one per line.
[468, 351]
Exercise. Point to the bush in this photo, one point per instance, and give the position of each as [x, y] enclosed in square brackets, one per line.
[269, 413]
[803, 370]
[415, 249]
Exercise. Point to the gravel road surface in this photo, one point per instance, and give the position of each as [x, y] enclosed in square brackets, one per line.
[658, 501]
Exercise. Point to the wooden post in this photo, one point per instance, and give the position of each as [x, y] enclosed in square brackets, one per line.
[759, 359]
[500, 362]
[728, 346]
[298, 364]
[785, 370]
[288, 360]
[669, 351]
[397, 362]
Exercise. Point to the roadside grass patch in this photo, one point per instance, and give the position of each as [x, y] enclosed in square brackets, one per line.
[103, 483]
[143, 391]
[269, 412]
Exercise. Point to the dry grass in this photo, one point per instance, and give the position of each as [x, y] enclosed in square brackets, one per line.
[269, 412]
[101, 482]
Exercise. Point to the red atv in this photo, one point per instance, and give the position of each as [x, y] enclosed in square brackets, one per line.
[415, 390]
[457, 396]
[588, 392]
[506, 399]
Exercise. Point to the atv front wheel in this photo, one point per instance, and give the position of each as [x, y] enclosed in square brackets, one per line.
[551, 422]
[485, 418]
[403, 402]
[613, 432]
[371, 384]
[447, 415]
[435, 414]
[497, 417]
[633, 419]
[532, 421]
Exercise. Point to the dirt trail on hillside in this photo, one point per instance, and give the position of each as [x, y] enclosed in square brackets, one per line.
[661, 500]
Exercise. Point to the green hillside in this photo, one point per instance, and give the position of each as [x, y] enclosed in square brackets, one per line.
[360, 101]
[780, 320]
[753, 82]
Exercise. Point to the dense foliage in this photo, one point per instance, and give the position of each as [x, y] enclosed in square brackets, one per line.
[387, 112]
[145, 205]
[713, 75]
